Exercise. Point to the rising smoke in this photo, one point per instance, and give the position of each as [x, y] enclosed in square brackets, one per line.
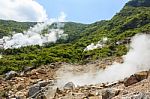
[34, 35]
[136, 60]
[100, 44]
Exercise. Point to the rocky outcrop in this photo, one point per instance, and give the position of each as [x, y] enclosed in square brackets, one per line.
[33, 90]
[131, 80]
[36, 89]
[136, 78]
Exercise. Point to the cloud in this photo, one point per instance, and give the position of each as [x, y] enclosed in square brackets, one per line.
[22, 10]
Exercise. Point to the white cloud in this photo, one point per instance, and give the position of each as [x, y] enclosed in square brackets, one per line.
[22, 10]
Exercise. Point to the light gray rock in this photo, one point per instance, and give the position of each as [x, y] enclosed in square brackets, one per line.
[10, 75]
[69, 86]
[138, 95]
[51, 92]
[109, 93]
[27, 68]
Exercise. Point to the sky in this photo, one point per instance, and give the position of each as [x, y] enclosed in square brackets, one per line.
[83, 11]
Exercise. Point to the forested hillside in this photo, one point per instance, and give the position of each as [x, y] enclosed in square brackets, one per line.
[132, 19]
[7, 27]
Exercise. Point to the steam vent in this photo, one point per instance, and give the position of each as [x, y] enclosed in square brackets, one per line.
[68, 49]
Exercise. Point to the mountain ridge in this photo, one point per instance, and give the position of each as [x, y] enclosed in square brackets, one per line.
[138, 3]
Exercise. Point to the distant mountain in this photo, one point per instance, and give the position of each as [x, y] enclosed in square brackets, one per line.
[139, 3]
[132, 19]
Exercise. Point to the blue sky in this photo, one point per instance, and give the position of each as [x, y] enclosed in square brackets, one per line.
[84, 11]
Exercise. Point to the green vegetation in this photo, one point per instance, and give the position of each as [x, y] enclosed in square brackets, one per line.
[7, 27]
[129, 21]
[139, 3]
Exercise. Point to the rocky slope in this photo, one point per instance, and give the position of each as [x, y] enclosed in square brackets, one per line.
[40, 83]
[138, 90]
[52, 81]
[133, 19]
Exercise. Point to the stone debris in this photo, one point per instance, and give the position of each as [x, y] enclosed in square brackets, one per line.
[40, 84]
[69, 86]
[10, 75]
[109, 93]
[33, 90]
[136, 78]
[137, 95]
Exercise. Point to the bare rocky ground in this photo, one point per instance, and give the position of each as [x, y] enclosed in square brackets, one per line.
[40, 84]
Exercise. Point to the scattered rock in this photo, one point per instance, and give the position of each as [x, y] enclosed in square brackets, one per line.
[141, 75]
[44, 87]
[27, 68]
[95, 97]
[43, 83]
[33, 89]
[41, 96]
[20, 97]
[109, 93]
[69, 86]
[58, 91]
[41, 71]
[138, 95]
[136, 78]
[90, 94]
[129, 81]
[10, 75]
[20, 87]
[34, 76]
[51, 92]
[55, 65]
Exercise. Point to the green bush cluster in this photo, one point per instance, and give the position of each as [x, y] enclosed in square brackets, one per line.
[7, 27]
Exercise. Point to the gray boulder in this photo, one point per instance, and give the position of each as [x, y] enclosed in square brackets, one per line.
[129, 81]
[43, 83]
[33, 90]
[109, 93]
[10, 75]
[69, 86]
[137, 77]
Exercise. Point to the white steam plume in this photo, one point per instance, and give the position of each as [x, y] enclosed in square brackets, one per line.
[34, 36]
[136, 60]
[100, 44]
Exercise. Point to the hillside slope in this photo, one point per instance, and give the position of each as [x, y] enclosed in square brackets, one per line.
[7, 27]
[129, 21]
